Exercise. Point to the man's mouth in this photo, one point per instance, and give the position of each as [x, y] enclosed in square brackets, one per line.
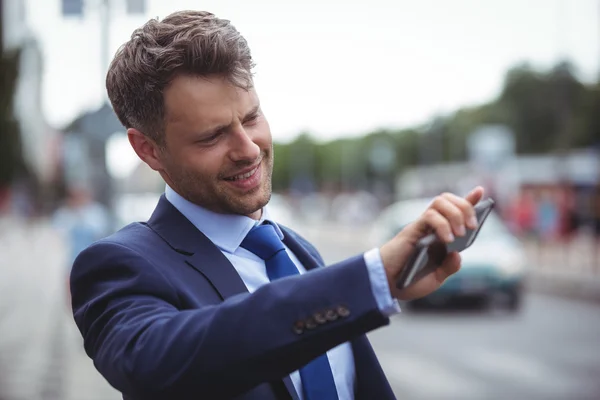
[244, 175]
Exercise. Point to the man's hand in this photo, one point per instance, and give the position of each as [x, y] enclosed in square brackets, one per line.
[448, 216]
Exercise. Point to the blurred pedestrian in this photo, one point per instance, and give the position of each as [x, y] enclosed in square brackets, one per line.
[547, 216]
[567, 210]
[212, 298]
[596, 225]
[81, 220]
[523, 215]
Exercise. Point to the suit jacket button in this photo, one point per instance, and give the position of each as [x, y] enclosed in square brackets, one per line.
[343, 311]
[298, 327]
[310, 323]
[331, 315]
[320, 318]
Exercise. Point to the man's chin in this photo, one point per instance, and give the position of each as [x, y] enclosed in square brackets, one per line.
[249, 205]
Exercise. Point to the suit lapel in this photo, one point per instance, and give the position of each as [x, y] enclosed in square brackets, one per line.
[211, 263]
[293, 242]
[201, 254]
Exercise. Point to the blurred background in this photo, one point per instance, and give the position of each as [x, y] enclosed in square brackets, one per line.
[375, 107]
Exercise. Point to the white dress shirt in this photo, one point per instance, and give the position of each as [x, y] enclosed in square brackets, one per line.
[227, 231]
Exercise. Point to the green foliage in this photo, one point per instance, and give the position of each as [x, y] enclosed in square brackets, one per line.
[543, 108]
[547, 110]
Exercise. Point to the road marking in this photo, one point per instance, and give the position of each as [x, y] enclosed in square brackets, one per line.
[425, 378]
[520, 368]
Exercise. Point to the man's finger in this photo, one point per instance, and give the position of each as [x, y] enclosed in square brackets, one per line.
[450, 266]
[436, 221]
[453, 213]
[466, 208]
[475, 195]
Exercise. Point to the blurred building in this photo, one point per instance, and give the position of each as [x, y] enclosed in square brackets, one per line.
[84, 152]
[137, 194]
[579, 168]
[39, 141]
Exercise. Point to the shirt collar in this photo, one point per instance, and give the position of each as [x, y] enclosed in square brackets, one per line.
[226, 231]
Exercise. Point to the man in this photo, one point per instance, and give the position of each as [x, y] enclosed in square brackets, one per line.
[210, 298]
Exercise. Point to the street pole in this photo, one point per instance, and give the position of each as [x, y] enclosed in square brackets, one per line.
[1, 27]
[105, 15]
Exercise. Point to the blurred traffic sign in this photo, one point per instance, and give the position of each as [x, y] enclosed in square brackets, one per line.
[72, 8]
[382, 156]
[490, 146]
[136, 7]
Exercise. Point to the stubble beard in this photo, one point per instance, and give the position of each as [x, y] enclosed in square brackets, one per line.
[218, 197]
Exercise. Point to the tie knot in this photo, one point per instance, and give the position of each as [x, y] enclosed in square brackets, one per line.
[263, 241]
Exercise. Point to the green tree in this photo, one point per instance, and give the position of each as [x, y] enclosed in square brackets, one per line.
[543, 107]
[547, 110]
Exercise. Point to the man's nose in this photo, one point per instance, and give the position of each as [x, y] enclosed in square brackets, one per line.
[243, 147]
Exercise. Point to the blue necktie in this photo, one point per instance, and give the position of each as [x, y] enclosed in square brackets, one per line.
[262, 240]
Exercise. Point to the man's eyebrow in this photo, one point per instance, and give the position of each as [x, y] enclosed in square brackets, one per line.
[252, 112]
[214, 130]
[218, 128]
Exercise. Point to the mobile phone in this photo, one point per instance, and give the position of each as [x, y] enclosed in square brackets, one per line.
[430, 251]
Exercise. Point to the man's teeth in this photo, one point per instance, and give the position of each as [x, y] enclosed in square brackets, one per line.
[243, 176]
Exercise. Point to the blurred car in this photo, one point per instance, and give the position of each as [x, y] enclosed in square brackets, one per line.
[493, 267]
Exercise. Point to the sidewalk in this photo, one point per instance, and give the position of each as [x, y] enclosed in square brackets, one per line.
[41, 355]
[570, 270]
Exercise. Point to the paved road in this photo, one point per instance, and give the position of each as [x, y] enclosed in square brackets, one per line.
[84, 382]
[550, 350]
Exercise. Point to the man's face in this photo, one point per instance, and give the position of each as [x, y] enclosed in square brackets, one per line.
[218, 149]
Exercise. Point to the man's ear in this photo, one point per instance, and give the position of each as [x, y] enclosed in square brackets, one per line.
[146, 149]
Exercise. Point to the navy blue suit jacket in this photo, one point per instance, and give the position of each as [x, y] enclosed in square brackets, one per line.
[164, 315]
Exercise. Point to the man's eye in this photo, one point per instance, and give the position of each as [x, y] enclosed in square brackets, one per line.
[210, 139]
[251, 120]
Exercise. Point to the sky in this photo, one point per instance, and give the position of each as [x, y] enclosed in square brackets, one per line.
[341, 68]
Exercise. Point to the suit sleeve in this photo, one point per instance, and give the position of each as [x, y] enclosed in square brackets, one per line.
[127, 312]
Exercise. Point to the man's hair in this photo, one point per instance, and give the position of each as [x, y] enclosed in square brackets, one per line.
[193, 43]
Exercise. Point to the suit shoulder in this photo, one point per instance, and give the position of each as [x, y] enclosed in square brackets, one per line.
[135, 240]
[132, 234]
[133, 250]
[136, 236]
